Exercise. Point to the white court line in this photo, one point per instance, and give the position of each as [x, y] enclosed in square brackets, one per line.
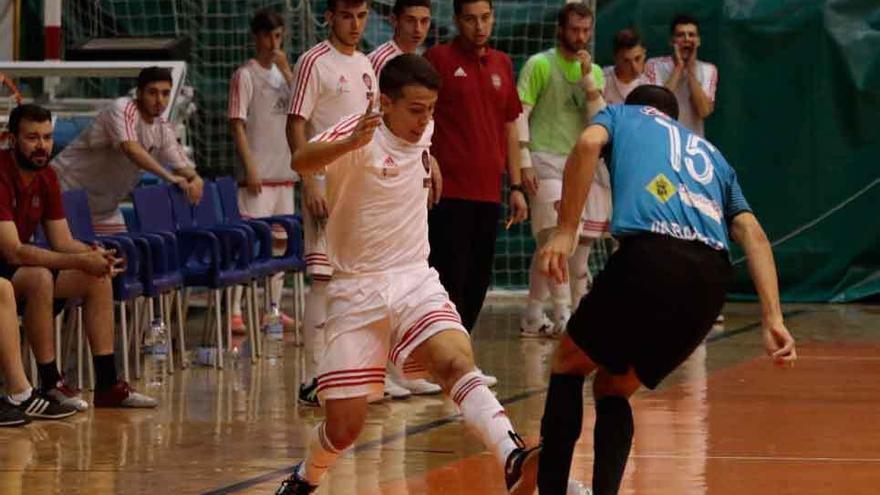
[759, 458]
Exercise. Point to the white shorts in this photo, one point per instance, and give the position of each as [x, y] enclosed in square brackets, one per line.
[274, 199]
[597, 212]
[376, 318]
[315, 250]
[113, 223]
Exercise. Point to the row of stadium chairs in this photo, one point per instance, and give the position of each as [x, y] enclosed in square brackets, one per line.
[173, 246]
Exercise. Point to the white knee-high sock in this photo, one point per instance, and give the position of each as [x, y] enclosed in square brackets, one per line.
[579, 271]
[313, 327]
[322, 455]
[277, 285]
[236, 300]
[484, 414]
[538, 291]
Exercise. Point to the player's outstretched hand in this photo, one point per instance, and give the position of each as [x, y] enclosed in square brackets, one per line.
[436, 189]
[553, 257]
[779, 344]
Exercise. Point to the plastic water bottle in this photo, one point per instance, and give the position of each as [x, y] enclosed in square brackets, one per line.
[274, 334]
[156, 350]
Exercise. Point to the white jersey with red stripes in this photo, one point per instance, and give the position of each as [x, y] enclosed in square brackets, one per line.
[383, 54]
[94, 161]
[377, 196]
[329, 84]
[261, 96]
[659, 69]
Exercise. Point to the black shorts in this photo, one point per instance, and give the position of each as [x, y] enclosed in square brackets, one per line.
[651, 306]
[7, 271]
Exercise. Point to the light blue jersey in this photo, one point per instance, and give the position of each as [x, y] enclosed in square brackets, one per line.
[667, 180]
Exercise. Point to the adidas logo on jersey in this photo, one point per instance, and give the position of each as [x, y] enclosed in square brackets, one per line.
[460, 72]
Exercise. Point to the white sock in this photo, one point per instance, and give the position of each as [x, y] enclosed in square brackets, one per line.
[579, 271]
[277, 285]
[322, 455]
[313, 330]
[484, 414]
[17, 399]
[236, 300]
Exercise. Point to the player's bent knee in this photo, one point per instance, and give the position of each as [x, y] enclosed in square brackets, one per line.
[33, 281]
[570, 359]
[606, 384]
[6, 292]
[344, 421]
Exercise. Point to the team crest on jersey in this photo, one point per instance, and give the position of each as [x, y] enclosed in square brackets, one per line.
[496, 81]
[35, 202]
[426, 161]
[661, 188]
[368, 82]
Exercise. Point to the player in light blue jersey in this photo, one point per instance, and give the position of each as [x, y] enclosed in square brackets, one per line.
[676, 202]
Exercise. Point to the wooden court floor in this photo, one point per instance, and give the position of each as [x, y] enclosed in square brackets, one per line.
[726, 423]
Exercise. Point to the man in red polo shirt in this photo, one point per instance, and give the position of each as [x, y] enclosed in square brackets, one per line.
[30, 196]
[475, 138]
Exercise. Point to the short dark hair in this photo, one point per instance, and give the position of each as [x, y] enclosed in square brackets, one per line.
[153, 74]
[458, 5]
[407, 70]
[401, 5]
[626, 39]
[680, 19]
[332, 4]
[30, 112]
[577, 8]
[266, 21]
[659, 97]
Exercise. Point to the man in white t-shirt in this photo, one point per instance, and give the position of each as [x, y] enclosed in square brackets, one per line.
[385, 303]
[628, 71]
[691, 80]
[330, 80]
[259, 96]
[127, 138]
[411, 20]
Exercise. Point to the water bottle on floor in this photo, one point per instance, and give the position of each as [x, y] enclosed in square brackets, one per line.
[156, 352]
[274, 334]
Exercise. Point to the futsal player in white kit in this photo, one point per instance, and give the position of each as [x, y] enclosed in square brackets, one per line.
[411, 20]
[385, 302]
[331, 80]
[259, 96]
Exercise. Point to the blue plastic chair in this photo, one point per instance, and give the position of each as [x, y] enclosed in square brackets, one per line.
[214, 260]
[127, 286]
[289, 261]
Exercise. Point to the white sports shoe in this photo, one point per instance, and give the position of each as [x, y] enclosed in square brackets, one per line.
[67, 396]
[489, 380]
[535, 329]
[576, 488]
[420, 386]
[560, 325]
[395, 390]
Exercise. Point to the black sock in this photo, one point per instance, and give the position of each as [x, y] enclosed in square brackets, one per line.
[560, 429]
[49, 375]
[105, 371]
[612, 439]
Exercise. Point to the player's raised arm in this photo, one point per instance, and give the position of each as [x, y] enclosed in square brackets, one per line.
[747, 232]
[325, 149]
